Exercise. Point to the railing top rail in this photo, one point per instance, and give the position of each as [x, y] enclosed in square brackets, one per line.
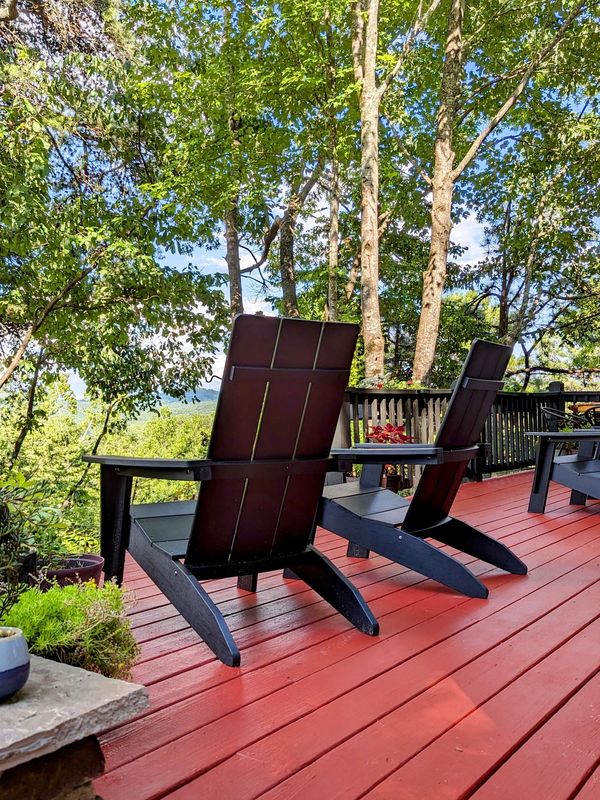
[420, 410]
[577, 394]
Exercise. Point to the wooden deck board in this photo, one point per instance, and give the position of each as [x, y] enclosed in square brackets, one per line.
[456, 698]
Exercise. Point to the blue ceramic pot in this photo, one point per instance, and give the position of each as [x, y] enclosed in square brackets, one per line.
[14, 661]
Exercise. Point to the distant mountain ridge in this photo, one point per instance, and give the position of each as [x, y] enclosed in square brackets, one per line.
[202, 401]
[201, 394]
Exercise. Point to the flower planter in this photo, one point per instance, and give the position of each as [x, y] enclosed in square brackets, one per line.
[77, 569]
[14, 662]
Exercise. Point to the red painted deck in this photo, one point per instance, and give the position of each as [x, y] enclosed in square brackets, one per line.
[457, 698]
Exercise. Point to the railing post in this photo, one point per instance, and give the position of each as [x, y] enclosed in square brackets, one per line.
[556, 388]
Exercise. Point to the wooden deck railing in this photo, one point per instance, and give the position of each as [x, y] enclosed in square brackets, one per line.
[421, 411]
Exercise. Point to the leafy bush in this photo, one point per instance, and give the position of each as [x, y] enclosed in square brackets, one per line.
[12, 549]
[81, 624]
[27, 524]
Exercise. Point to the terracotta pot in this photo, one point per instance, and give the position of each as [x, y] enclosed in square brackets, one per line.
[77, 568]
[14, 661]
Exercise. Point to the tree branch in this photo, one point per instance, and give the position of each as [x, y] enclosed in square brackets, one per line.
[352, 277]
[301, 195]
[536, 62]
[38, 322]
[29, 415]
[103, 431]
[415, 164]
[552, 371]
[409, 40]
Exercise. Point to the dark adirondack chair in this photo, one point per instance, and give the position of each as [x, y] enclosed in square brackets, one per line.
[282, 390]
[580, 472]
[376, 519]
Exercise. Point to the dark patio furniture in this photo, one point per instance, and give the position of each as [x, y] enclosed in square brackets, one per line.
[260, 487]
[376, 519]
[554, 418]
[580, 472]
[590, 411]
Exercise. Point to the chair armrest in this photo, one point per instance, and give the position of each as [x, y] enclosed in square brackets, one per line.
[375, 453]
[175, 469]
[161, 468]
[587, 434]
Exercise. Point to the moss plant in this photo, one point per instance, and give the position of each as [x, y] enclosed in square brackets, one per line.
[81, 624]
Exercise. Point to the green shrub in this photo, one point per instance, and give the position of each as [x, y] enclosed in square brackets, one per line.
[81, 624]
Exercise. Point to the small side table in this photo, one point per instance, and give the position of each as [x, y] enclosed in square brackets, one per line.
[48, 731]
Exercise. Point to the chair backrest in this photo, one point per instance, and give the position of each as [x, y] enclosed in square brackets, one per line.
[282, 390]
[469, 406]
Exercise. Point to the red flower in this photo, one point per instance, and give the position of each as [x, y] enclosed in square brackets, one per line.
[388, 434]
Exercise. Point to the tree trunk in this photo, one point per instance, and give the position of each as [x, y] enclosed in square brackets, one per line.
[507, 276]
[286, 259]
[334, 240]
[233, 259]
[443, 182]
[369, 219]
[331, 308]
[232, 216]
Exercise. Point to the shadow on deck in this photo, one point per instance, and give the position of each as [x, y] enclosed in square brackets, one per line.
[457, 698]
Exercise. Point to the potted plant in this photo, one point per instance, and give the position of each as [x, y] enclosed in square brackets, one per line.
[14, 661]
[394, 477]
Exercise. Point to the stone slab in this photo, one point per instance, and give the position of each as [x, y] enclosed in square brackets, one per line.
[61, 704]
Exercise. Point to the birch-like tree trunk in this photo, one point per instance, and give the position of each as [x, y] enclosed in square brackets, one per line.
[365, 38]
[334, 240]
[446, 174]
[366, 20]
[333, 248]
[442, 185]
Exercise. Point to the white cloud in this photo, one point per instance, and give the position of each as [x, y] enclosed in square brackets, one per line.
[256, 305]
[77, 385]
[470, 233]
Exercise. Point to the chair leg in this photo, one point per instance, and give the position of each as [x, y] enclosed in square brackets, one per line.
[248, 582]
[464, 537]
[578, 498]
[357, 551]
[326, 579]
[403, 548]
[115, 498]
[289, 574]
[192, 601]
[541, 477]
